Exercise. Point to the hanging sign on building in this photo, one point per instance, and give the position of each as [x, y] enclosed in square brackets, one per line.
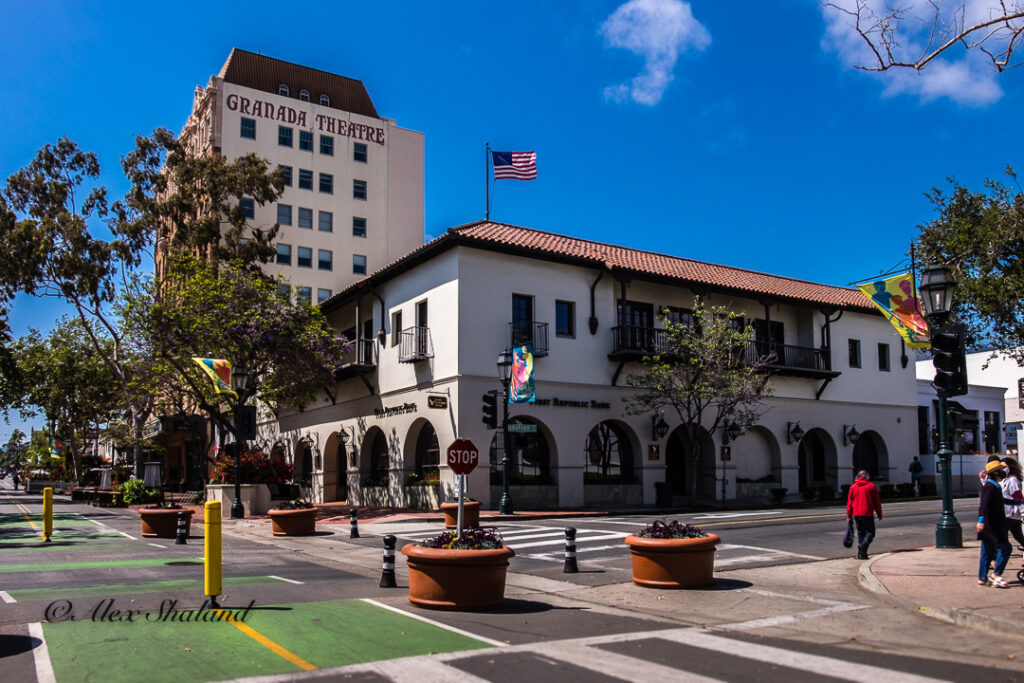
[522, 389]
[438, 402]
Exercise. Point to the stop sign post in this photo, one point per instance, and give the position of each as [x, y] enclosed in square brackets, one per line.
[462, 459]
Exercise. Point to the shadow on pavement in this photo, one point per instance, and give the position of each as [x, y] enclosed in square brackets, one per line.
[15, 645]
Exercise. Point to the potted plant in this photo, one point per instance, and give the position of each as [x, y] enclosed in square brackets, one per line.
[672, 555]
[293, 518]
[160, 520]
[470, 513]
[458, 572]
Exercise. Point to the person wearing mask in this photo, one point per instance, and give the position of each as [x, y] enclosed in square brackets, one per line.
[1013, 499]
[862, 505]
[992, 527]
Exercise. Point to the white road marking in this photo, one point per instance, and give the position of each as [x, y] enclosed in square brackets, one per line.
[561, 541]
[41, 655]
[157, 545]
[772, 551]
[5, 596]
[126, 535]
[446, 627]
[726, 515]
[96, 523]
[560, 556]
[281, 578]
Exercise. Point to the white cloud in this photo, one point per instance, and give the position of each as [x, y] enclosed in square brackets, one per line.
[659, 31]
[964, 76]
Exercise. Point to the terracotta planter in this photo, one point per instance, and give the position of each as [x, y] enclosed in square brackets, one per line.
[293, 522]
[456, 579]
[163, 522]
[673, 562]
[470, 514]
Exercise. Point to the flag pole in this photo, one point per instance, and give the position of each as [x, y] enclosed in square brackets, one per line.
[487, 181]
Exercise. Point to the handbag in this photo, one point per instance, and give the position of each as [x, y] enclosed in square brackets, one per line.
[848, 537]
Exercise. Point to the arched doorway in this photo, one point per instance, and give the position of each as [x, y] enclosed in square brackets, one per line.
[679, 462]
[374, 461]
[529, 455]
[816, 458]
[304, 465]
[427, 455]
[335, 485]
[869, 453]
[609, 455]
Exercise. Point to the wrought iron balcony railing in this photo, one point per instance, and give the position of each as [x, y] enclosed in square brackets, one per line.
[415, 345]
[529, 332]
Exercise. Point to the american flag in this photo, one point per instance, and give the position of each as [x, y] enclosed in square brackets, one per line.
[514, 165]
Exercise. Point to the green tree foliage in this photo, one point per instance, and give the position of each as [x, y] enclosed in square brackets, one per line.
[980, 237]
[708, 373]
[227, 311]
[15, 452]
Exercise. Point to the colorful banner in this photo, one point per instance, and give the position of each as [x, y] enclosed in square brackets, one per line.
[898, 301]
[56, 447]
[219, 371]
[521, 390]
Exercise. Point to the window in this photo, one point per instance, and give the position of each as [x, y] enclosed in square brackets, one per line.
[284, 214]
[248, 129]
[304, 258]
[924, 445]
[358, 264]
[305, 179]
[324, 259]
[359, 189]
[286, 173]
[993, 431]
[359, 152]
[306, 218]
[304, 95]
[769, 337]
[248, 207]
[322, 295]
[358, 227]
[284, 291]
[304, 294]
[306, 140]
[855, 353]
[396, 328]
[883, 357]
[681, 316]
[326, 221]
[565, 319]
[327, 145]
[284, 136]
[325, 100]
[283, 90]
[284, 254]
[327, 183]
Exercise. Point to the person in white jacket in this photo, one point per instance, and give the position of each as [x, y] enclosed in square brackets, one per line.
[1013, 499]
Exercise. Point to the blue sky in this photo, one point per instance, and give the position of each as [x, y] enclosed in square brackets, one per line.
[737, 133]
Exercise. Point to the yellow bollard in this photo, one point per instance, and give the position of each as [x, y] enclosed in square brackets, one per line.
[212, 551]
[47, 513]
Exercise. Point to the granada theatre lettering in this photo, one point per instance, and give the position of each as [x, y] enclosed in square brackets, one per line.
[285, 114]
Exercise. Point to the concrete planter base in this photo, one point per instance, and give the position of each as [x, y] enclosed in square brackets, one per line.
[255, 498]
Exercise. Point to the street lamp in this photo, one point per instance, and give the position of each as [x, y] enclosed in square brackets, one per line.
[239, 380]
[504, 364]
[936, 289]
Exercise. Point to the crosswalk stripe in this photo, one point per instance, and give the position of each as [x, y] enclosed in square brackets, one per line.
[612, 664]
[561, 541]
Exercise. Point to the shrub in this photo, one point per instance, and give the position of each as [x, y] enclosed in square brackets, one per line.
[134, 492]
[296, 504]
[887, 491]
[256, 468]
[473, 538]
[779, 494]
[807, 493]
[905, 490]
[674, 529]
[826, 492]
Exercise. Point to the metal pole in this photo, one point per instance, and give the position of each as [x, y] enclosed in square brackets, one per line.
[487, 181]
[570, 551]
[948, 533]
[237, 509]
[353, 524]
[505, 506]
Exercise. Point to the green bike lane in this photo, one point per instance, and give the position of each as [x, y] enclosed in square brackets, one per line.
[96, 602]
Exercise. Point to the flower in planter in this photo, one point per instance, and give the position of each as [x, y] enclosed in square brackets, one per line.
[168, 505]
[296, 504]
[473, 538]
[674, 529]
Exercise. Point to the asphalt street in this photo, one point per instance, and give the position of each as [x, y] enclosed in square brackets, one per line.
[100, 602]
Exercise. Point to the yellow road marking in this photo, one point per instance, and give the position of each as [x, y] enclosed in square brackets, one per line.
[266, 642]
[26, 513]
[773, 519]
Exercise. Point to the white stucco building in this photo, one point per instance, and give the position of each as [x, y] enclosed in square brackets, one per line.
[429, 327]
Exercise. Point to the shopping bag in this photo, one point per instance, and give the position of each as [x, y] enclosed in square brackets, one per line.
[848, 537]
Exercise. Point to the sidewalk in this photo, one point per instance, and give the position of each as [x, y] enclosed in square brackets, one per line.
[943, 583]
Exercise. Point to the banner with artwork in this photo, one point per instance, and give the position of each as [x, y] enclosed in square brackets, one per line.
[219, 371]
[897, 299]
[521, 390]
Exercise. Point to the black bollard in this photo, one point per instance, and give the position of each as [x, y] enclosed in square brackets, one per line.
[182, 528]
[353, 524]
[570, 551]
[387, 574]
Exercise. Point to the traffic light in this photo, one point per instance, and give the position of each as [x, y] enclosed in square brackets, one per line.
[949, 359]
[245, 422]
[490, 409]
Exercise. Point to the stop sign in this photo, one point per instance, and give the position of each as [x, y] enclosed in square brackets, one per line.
[463, 456]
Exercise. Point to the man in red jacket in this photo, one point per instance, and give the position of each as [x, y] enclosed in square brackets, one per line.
[861, 506]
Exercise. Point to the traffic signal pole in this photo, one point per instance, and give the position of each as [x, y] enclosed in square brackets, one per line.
[948, 533]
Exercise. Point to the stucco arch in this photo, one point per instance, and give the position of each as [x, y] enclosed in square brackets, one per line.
[334, 464]
[678, 464]
[871, 454]
[421, 453]
[817, 459]
[533, 455]
[756, 455]
[610, 448]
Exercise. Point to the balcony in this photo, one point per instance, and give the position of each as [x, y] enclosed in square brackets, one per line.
[415, 345]
[361, 359]
[529, 332]
[631, 343]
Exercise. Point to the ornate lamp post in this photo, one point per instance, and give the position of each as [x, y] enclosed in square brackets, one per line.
[936, 288]
[239, 380]
[504, 364]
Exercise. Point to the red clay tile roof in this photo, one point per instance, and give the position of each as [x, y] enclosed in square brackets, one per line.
[266, 73]
[644, 264]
